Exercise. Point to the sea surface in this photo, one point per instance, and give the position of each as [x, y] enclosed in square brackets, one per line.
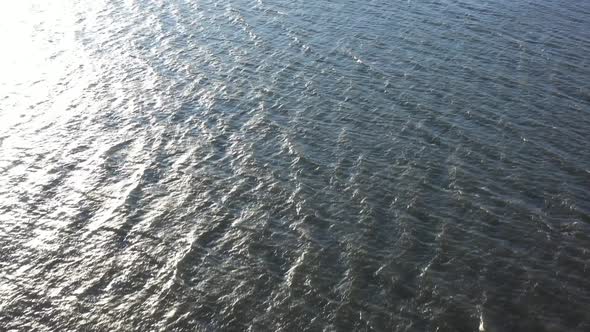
[274, 165]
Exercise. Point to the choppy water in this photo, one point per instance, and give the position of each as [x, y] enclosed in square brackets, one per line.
[295, 165]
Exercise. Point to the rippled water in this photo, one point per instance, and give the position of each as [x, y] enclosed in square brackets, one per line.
[275, 165]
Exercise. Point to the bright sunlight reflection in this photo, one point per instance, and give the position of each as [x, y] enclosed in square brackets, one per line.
[28, 30]
[35, 35]
[37, 49]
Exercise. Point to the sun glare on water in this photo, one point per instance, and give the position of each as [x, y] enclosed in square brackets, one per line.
[38, 53]
[29, 32]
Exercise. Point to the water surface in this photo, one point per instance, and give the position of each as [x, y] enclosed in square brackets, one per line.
[329, 165]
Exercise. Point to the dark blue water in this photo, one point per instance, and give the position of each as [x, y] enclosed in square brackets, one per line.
[280, 165]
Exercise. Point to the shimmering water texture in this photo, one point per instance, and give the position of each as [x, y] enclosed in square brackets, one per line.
[272, 165]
